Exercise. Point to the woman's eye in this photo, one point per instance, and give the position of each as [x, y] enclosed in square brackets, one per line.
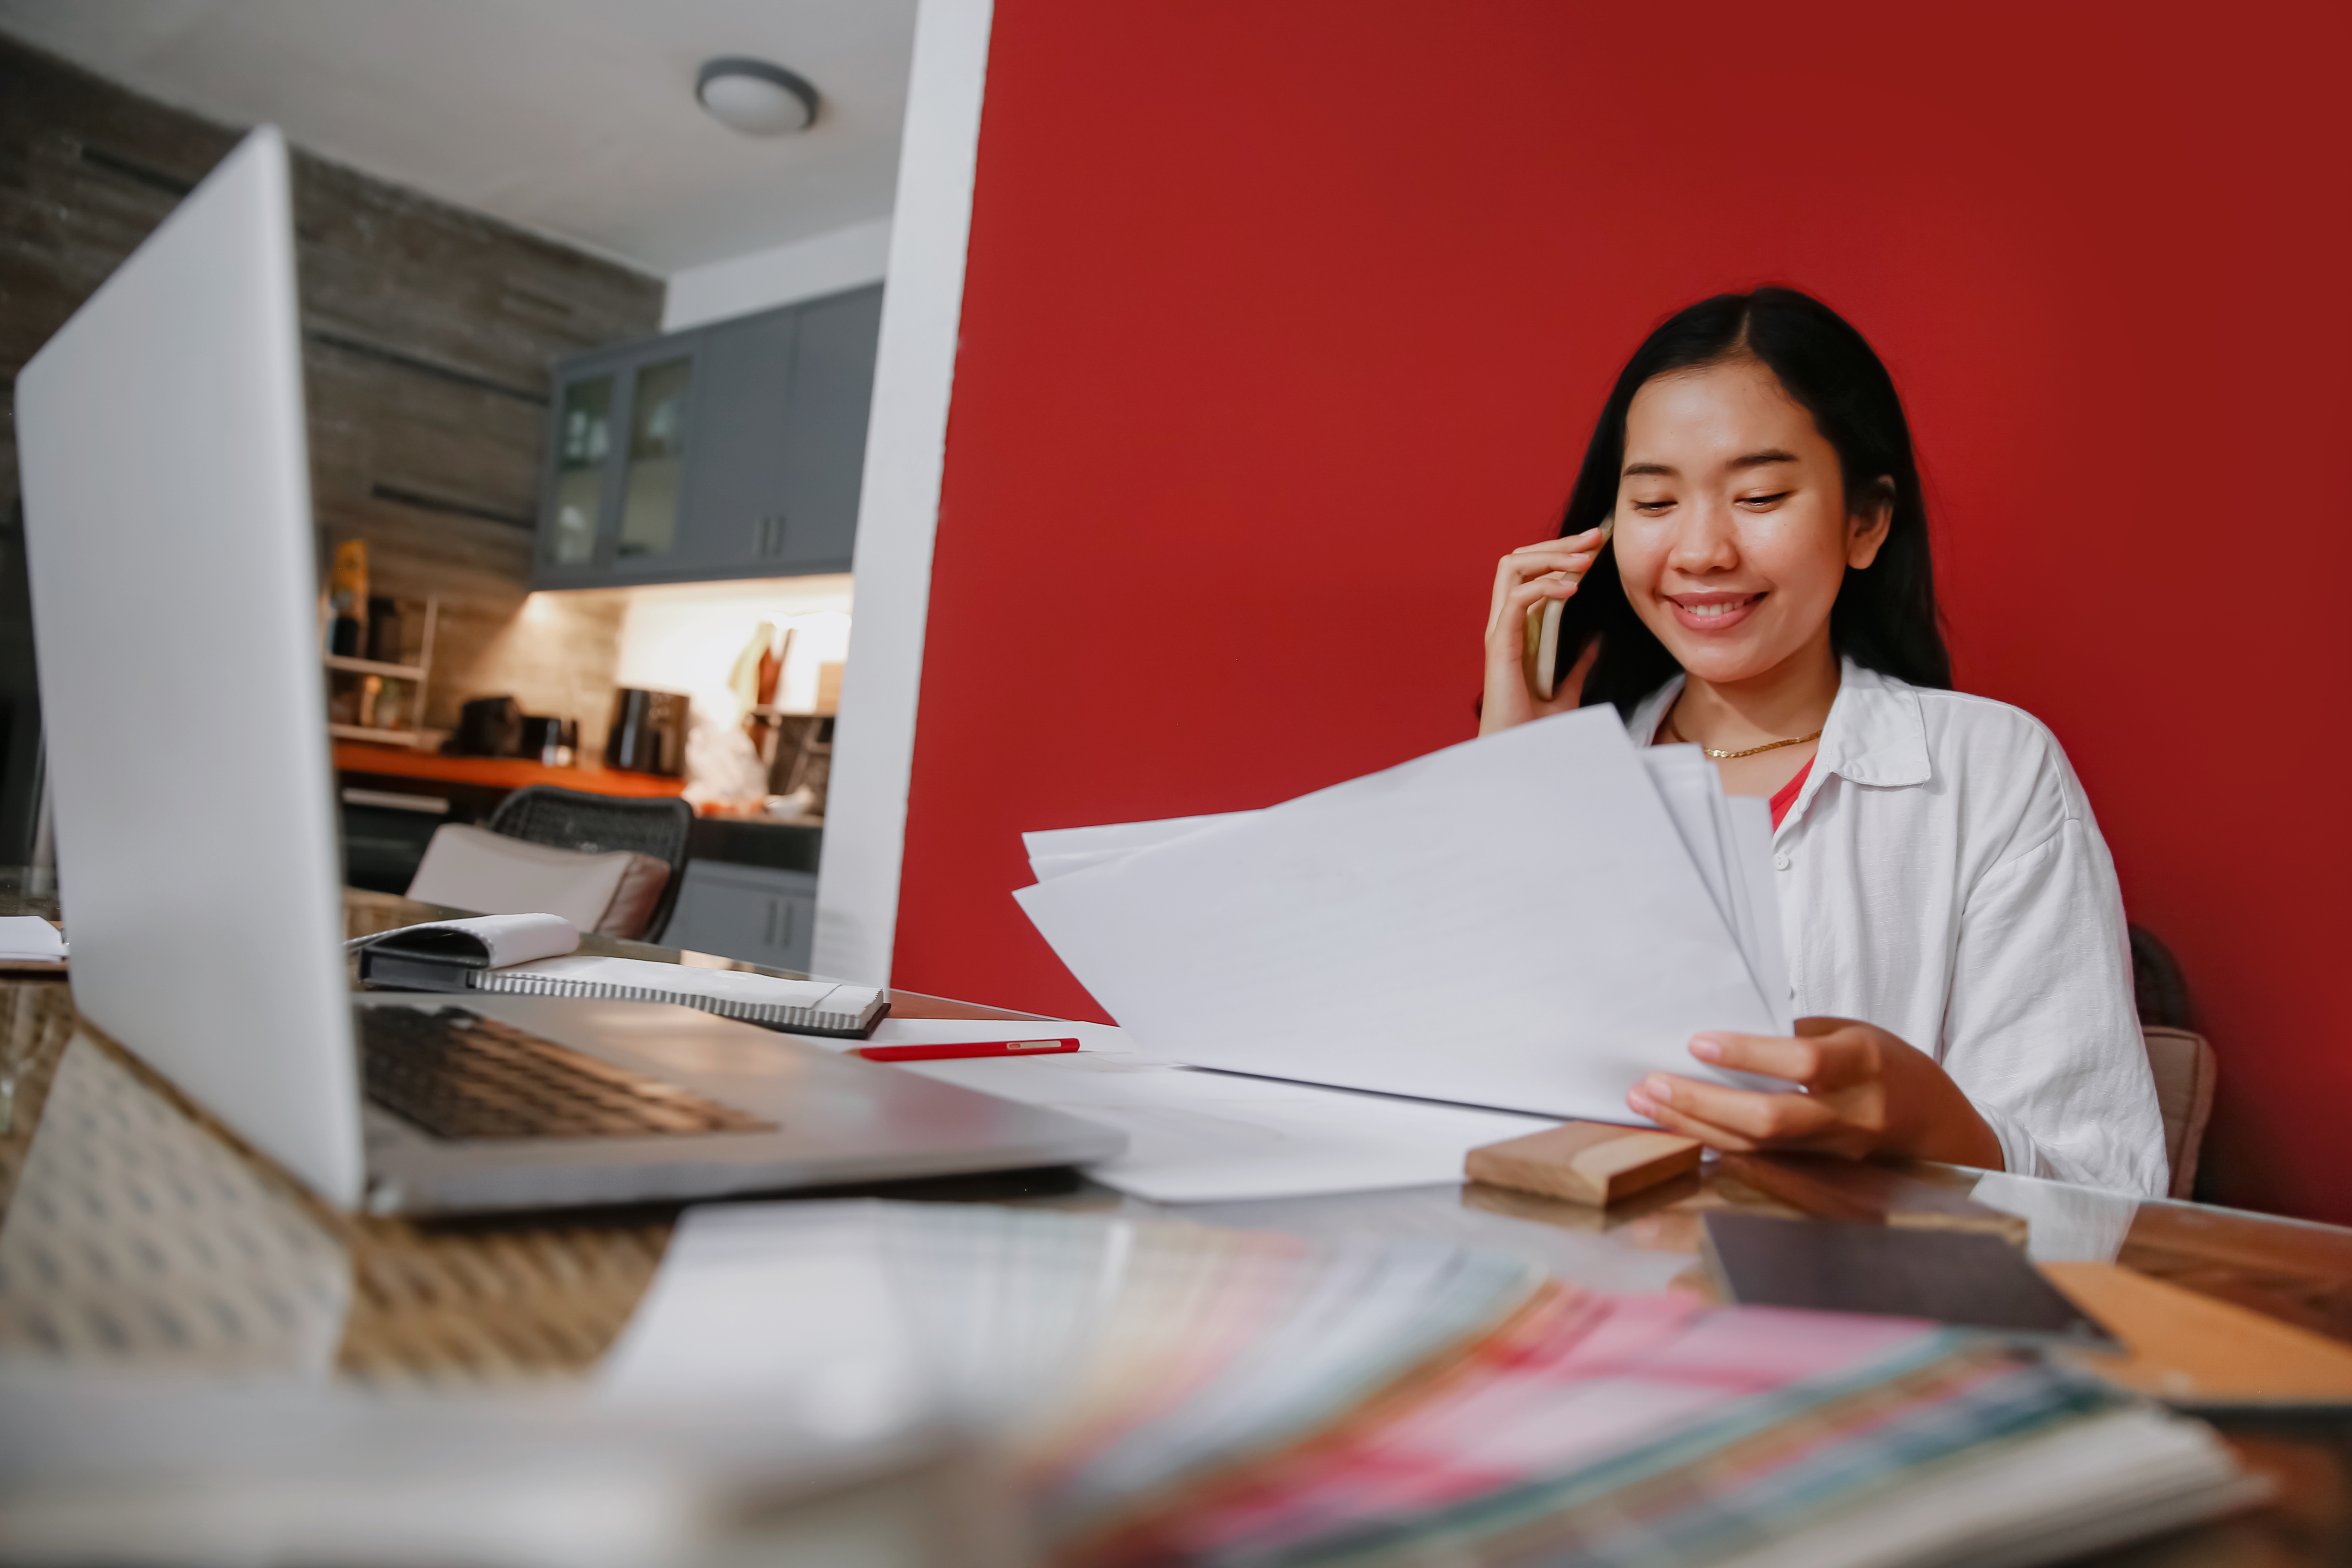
[1650, 508]
[1773, 499]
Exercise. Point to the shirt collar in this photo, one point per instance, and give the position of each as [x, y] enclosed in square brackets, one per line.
[1875, 733]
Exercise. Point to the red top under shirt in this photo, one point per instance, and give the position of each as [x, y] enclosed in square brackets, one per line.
[1782, 799]
[1787, 796]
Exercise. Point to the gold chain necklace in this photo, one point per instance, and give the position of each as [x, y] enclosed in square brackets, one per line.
[1726, 756]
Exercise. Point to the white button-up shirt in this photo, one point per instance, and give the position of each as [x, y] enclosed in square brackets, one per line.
[1942, 877]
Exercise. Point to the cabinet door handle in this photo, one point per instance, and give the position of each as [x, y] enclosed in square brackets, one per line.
[772, 533]
[770, 940]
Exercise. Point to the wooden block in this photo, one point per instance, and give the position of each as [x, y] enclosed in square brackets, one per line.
[1584, 1161]
[2192, 1350]
[1828, 1188]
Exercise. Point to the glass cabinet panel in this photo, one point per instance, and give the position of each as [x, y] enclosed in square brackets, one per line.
[656, 468]
[583, 438]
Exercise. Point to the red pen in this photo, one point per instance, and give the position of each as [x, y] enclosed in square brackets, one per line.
[965, 1048]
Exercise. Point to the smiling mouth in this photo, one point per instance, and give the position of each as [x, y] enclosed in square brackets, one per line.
[1717, 609]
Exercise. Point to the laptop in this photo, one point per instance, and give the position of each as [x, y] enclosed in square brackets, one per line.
[168, 528]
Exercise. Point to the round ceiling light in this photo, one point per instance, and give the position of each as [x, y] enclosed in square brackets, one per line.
[756, 96]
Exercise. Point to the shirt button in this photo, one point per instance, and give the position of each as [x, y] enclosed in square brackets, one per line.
[1780, 862]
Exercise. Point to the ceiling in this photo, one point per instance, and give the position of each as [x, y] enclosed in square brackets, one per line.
[575, 118]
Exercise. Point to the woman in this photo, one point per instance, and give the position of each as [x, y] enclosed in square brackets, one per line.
[1745, 566]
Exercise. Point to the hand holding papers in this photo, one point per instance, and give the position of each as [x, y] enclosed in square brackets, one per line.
[1532, 921]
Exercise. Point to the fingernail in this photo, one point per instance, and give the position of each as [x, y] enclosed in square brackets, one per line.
[1658, 1088]
[1706, 1049]
[1642, 1103]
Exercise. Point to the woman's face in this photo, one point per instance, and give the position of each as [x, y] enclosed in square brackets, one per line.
[1732, 527]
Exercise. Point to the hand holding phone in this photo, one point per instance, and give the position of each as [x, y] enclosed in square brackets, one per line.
[1532, 586]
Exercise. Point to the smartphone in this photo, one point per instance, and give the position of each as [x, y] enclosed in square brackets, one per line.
[1540, 653]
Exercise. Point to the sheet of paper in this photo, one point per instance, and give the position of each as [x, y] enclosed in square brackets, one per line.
[1068, 849]
[1725, 857]
[1511, 923]
[30, 937]
[1735, 876]
[1101, 1039]
[1120, 835]
[1751, 844]
[1692, 789]
[1214, 1137]
[1208, 1137]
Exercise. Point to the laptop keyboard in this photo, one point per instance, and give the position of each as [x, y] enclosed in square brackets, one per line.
[459, 1074]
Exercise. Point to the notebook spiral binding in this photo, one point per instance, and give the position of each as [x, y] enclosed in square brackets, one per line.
[802, 1020]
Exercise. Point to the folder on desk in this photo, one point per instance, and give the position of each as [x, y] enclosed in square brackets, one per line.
[1530, 922]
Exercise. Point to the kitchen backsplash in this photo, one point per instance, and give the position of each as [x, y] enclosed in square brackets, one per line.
[687, 636]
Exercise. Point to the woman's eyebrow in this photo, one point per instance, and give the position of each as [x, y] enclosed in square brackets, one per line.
[1758, 459]
[1659, 469]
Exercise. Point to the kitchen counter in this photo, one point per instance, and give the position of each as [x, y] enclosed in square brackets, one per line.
[494, 772]
[392, 799]
[747, 841]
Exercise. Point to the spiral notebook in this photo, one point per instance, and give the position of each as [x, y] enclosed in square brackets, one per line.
[534, 955]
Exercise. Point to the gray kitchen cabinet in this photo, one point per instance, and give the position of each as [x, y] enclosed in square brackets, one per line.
[823, 458]
[751, 912]
[618, 470]
[738, 512]
[731, 450]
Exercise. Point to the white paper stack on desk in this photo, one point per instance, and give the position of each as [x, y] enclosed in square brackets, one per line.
[1530, 922]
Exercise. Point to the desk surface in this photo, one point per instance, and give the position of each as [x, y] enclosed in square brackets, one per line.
[289, 1282]
[495, 773]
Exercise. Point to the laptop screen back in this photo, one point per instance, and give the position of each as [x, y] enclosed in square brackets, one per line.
[169, 537]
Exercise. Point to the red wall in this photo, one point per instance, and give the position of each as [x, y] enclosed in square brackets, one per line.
[1282, 320]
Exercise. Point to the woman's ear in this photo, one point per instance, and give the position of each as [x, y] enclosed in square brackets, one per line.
[1866, 527]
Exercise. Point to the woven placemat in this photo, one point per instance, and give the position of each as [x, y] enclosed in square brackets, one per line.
[460, 1303]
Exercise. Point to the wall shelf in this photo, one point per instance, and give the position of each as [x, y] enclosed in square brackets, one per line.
[415, 672]
[381, 737]
[417, 675]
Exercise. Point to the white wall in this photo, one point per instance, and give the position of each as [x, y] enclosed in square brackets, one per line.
[686, 636]
[804, 269]
[905, 446]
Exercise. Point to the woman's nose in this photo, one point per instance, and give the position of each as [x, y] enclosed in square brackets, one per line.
[1706, 541]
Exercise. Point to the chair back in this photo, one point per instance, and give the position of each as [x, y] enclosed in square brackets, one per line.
[2183, 1065]
[2157, 989]
[2181, 1059]
[598, 824]
[487, 873]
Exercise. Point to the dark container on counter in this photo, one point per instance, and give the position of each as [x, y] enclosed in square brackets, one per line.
[487, 727]
[383, 644]
[648, 733]
[549, 741]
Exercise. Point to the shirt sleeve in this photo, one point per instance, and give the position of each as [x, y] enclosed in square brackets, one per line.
[2041, 1031]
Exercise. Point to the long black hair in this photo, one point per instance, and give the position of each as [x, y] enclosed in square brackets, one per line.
[1886, 616]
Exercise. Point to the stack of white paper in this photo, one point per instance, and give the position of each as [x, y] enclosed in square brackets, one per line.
[1531, 920]
[1209, 1137]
